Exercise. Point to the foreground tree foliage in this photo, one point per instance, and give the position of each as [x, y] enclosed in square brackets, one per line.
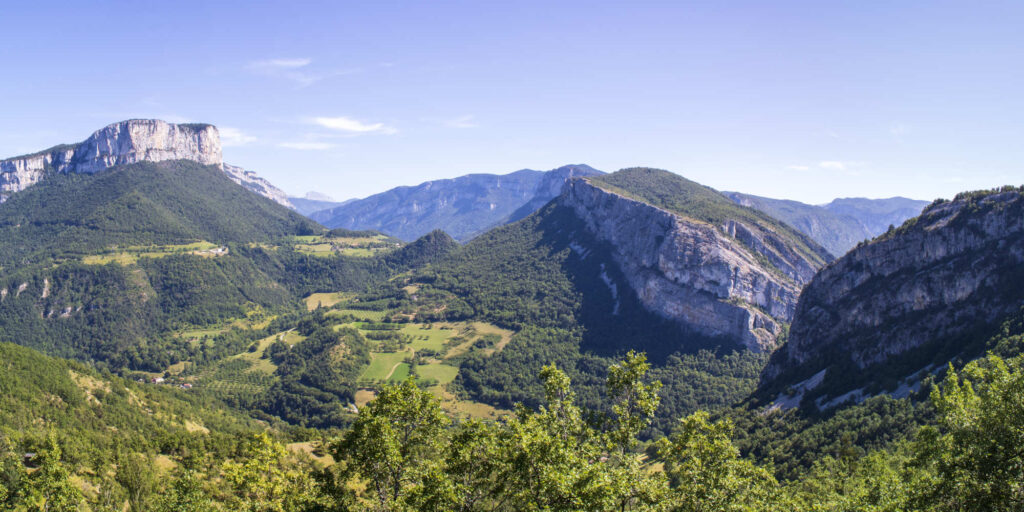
[402, 457]
[403, 454]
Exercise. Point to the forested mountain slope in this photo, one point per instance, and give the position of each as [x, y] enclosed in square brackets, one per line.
[462, 207]
[139, 204]
[96, 413]
[908, 301]
[106, 266]
[595, 273]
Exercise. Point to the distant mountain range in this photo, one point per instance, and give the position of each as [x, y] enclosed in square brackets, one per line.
[314, 202]
[840, 225]
[463, 207]
[466, 206]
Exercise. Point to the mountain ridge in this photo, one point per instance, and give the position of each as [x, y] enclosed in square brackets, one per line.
[840, 224]
[717, 268]
[463, 207]
[127, 142]
[913, 298]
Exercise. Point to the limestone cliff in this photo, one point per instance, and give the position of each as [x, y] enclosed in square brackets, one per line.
[126, 142]
[934, 284]
[735, 279]
[255, 183]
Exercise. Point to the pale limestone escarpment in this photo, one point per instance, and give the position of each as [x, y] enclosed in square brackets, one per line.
[127, 142]
[253, 182]
[693, 272]
[957, 268]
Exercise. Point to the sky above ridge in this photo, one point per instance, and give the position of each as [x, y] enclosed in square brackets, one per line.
[796, 100]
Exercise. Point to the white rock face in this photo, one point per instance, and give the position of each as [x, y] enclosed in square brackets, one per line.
[135, 140]
[253, 182]
[693, 272]
[958, 268]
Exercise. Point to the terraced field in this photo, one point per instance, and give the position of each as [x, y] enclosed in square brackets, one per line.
[131, 255]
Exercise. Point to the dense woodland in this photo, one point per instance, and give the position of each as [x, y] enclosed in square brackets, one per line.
[403, 453]
[106, 326]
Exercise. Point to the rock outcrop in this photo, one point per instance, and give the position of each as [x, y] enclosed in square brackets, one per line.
[255, 183]
[955, 270]
[126, 142]
[711, 279]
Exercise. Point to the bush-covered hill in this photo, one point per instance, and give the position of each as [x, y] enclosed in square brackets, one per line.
[107, 267]
[139, 204]
[98, 414]
[546, 278]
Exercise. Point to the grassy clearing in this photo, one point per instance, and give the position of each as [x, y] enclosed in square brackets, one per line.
[382, 364]
[372, 316]
[324, 299]
[465, 408]
[130, 255]
[315, 249]
[198, 334]
[258, 364]
[442, 373]
[400, 373]
[361, 252]
[506, 336]
[122, 258]
[433, 338]
[364, 396]
[308, 448]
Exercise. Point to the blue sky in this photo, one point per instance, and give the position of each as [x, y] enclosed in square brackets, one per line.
[797, 100]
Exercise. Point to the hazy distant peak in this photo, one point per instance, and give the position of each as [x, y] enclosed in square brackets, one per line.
[317, 196]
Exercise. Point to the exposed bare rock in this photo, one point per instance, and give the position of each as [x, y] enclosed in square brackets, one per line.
[709, 278]
[955, 270]
[253, 182]
[135, 140]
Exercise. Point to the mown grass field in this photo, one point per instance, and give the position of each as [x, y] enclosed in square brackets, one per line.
[442, 373]
[130, 255]
[382, 364]
[324, 299]
[372, 316]
[433, 338]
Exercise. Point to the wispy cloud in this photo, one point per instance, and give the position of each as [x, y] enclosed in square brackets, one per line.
[898, 130]
[350, 126]
[799, 167]
[293, 69]
[466, 121]
[307, 146]
[833, 165]
[281, 63]
[234, 137]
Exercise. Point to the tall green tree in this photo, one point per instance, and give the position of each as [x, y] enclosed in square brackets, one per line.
[135, 475]
[707, 473]
[186, 494]
[391, 445]
[977, 449]
[49, 488]
[265, 480]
